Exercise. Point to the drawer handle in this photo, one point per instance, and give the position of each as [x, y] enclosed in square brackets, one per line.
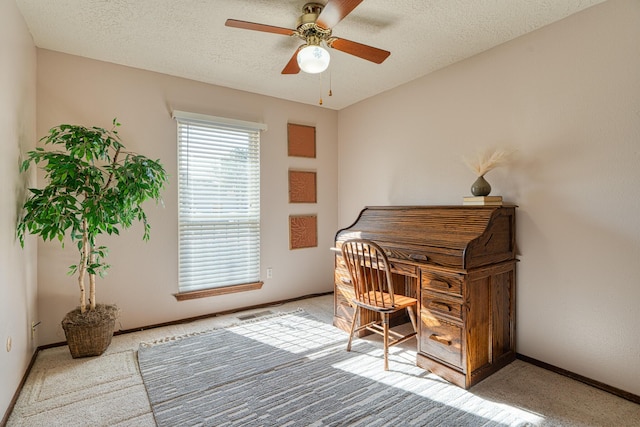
[346, 281]
[441, 283]
[419, 257]
[439, 339]
[440, 305]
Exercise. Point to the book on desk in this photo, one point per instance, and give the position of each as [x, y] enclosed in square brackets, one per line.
[482, 201]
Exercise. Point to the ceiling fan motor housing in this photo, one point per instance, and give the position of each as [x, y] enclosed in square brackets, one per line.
[307, 28]
[312, 9]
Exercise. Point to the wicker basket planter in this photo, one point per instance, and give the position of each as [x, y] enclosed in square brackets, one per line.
[90, 334]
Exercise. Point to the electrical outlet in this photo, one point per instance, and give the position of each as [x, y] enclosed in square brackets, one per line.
[269, 273]
[33, 329]
[9, 343]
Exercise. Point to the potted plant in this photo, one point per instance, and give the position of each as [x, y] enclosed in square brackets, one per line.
[94, 186]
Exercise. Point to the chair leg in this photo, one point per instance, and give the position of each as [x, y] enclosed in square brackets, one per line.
[353, 326]
[385, 325]
[412, 316]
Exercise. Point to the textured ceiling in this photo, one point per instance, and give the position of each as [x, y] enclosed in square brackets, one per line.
[188, 38]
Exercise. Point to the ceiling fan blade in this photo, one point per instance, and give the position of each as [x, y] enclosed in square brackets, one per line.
[292, 66]
[259, 27]
[360, 50]
[334, 11]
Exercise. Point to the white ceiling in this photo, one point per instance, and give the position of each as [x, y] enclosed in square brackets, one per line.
[188, 38]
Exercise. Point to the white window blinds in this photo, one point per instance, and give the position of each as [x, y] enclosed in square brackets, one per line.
[219, 202]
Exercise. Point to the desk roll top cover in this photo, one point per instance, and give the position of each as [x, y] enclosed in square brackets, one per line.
[459, 262]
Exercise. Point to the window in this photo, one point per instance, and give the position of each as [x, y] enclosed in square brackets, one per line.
[219, 204]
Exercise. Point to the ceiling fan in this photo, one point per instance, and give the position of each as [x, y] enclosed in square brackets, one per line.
[314, 27]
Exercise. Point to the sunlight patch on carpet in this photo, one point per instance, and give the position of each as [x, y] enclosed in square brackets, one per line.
[402, 375]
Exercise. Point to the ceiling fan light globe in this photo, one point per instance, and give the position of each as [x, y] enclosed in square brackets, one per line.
[313, 59]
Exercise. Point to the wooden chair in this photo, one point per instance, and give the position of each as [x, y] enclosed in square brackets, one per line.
[370, 273]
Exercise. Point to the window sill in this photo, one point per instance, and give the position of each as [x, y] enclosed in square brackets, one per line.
[184, 296]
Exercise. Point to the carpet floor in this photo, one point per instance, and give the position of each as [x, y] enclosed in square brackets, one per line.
[109, 391]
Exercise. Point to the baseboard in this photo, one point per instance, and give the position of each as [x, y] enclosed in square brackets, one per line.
[193, 319]
[218, 313]
[588, 381]
[5, 418]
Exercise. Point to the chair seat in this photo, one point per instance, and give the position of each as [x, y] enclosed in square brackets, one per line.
[385, 303]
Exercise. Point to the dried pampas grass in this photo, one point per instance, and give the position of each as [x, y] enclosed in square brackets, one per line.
[487, 161]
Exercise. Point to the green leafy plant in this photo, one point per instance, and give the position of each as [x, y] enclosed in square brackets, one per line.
[94, 186]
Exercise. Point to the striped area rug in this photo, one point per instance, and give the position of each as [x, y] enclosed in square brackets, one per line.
[292, 370]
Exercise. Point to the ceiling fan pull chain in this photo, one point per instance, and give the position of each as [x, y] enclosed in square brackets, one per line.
[330, 92]
[320, 102]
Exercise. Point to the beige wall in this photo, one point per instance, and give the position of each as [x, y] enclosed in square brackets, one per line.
[567, 97]
[17, 135]
[143, 276]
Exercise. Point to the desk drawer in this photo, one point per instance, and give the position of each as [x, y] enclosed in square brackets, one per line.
[439, 304]
[343, 297]
[396, 267]
[442, 282]
[342, 277]
[404, 269]
[441, 339]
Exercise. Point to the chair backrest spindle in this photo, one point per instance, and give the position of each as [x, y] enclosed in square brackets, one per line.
[370, 272]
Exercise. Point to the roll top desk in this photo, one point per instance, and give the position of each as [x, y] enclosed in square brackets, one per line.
[459, 262]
